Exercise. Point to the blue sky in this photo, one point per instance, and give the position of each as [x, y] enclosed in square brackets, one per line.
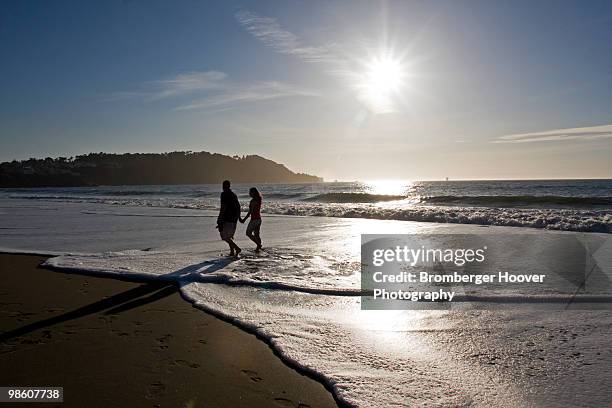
[346, 90]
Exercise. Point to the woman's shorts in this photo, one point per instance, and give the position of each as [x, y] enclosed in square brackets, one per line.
[228, 230]
[254, 226]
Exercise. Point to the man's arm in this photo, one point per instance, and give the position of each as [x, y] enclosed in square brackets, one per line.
[221, 212]
[246, 216]
[237, 204]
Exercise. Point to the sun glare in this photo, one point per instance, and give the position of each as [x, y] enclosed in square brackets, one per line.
[383, 78]
[385, 74]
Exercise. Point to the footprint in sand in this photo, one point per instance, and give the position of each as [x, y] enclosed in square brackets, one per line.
[156, 389]
[253, 375]
[284, 402]
[164, 339]
[186, 363]
[162, 342]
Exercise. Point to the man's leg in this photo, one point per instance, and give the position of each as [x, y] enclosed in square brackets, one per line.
[233, 247]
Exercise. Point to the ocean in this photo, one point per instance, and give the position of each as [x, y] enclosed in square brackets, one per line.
[567, 205]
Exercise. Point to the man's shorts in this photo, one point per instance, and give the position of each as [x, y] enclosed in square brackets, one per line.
[228, 230]
[254, 226]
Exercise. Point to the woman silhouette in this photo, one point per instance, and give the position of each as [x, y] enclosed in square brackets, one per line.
[254, 226]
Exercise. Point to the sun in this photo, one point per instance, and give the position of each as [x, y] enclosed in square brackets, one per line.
[384, 74]
[382, 80]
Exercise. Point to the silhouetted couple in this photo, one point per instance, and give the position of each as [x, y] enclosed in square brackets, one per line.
[229, 214]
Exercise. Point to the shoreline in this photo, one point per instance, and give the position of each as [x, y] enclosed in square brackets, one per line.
[49, 338]
[536, 217]
[314, 375]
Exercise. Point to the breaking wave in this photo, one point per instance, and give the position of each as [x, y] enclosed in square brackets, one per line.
[563, 220]
[353, 198]
[518, 201]
[283, 196]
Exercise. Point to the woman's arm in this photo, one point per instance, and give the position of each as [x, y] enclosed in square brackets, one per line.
[248, 214]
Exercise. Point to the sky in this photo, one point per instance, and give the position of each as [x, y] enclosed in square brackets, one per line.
[347, 90]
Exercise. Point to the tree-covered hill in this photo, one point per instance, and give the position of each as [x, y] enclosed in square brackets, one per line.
[146, 168]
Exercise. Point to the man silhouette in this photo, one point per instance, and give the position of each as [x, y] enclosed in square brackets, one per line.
[228, 217]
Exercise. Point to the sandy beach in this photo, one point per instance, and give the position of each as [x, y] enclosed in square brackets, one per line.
[111, 342]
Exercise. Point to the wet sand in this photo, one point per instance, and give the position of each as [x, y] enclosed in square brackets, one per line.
[114, 343]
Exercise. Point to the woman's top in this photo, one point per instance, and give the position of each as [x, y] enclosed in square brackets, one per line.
[255, 209]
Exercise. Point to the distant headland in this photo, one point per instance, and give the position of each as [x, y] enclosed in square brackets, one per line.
[96, 169]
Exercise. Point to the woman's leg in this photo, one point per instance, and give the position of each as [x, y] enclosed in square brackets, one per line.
[253, 233]
[249, 232]
[256, 237]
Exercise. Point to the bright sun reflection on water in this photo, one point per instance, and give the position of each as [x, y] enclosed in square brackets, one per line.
[394, 331]
[382, 320]
[389, 187]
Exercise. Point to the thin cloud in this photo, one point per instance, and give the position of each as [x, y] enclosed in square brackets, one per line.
[181, 84]
[261, 91]
[559, 135]
[188, 83]
[269, 32]
[210, 90]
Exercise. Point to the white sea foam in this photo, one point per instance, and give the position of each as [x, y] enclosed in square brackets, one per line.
[276, 268]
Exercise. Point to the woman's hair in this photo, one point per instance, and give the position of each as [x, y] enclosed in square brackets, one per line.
[254, 192]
